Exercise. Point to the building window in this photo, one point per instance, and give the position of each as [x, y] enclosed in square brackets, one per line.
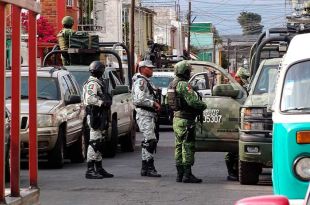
[70, 3]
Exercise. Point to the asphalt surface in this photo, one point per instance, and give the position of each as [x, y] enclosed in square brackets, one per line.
[68, 185]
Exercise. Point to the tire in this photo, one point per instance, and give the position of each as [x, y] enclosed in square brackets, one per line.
[109, 147]
[128, 142]
[56, 156]
[77, 150]
[249, 172]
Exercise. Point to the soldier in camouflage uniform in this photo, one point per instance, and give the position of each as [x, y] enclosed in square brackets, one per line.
[63, 38]
[242, 76]
[143, 95]
[94, 100]
[184, 125]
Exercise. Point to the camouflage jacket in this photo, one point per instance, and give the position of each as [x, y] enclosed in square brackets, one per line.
[63, 38]
[142, 96]
[92, 92]
[193, 104]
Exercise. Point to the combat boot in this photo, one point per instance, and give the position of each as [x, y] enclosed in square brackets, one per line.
[101, 171]
[151, 171]
[232, 173]
[180, 170]
[144, 168]
[189, 177]
[91, 173]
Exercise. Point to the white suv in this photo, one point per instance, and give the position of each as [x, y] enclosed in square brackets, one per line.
[59, 115]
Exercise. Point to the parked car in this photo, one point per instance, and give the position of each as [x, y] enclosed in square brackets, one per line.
[122, 129]
[59, 119]
[256, 123]
[291, 122]
[218, 128]
[161, 80]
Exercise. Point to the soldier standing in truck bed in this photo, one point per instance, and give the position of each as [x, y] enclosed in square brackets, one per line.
[63, 38]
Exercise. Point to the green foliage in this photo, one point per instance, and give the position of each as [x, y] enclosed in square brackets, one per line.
[250, 23]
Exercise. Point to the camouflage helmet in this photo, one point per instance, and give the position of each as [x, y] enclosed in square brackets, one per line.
[242, 73]
[183, 69]
[67, 20]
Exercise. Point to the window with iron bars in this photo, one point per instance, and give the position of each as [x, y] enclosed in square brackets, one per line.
[70, 3]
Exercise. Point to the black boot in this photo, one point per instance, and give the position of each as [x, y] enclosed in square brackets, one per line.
[101, 171]
[180, 170]
[189, 177]
[151, 171]
[144, 168]
[232, 172]
[91, 173]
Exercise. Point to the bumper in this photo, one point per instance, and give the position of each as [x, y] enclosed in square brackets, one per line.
[255, 148]
[47, 138]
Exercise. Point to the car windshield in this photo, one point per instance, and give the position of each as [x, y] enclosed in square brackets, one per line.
[161, 81]
[295, 93]
[268, 73]
[81, 77]
[46, 88]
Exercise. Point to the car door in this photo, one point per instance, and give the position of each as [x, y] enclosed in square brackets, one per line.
[73, 111]
[120, 104]
[218, 128]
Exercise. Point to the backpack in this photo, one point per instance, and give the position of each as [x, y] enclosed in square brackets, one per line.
[173, 98]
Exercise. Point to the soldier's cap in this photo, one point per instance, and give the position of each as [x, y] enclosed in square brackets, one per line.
[146, 63]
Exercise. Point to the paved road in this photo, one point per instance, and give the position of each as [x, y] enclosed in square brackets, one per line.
[68, 185]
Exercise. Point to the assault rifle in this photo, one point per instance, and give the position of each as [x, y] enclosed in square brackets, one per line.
[200, 116]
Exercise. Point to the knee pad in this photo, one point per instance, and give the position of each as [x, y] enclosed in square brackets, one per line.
[96, 144]
[149, 145]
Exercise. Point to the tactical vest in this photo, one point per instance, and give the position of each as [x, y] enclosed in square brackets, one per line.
[152, 91]
[105, 96]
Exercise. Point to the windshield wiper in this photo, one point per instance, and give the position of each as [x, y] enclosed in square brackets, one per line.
[296, 109]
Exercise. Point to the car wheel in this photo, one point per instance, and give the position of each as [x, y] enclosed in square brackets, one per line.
[56, 156]
[77, 151]
[249, 172]
[109, 147]
[128, 142]
[7, 163]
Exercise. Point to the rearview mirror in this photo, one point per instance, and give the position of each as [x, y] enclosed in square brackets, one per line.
[225, 90]
[120, 89]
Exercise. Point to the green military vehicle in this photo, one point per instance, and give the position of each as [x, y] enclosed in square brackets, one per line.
[217, 130]
[255, 133]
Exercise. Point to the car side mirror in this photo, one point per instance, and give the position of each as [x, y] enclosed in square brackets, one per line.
[73, 99]
[120, 89]
[225, 90]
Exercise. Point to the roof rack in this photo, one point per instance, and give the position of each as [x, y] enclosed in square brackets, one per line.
[163, 69]
[55, 68]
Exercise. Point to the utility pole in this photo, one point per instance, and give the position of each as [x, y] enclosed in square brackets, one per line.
[189, 26]
[213, 53]
[132, 36]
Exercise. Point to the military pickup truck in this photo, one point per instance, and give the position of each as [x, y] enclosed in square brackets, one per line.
[255, 150]
[217, 130]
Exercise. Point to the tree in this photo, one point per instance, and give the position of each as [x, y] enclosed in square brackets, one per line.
[250, 23]
[46, 33]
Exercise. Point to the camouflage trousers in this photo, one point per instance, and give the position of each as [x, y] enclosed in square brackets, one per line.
[93, 155]
[147, 127]
[184, 131]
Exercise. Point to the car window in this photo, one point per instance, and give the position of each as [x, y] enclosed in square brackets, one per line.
[295, 93]
[74, 85]
[47, 88]
[161, 81]
[262, 85]
[71, 87]
[81, 77]
[64, 85]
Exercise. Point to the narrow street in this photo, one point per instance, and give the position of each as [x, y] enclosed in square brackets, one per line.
[68, 185]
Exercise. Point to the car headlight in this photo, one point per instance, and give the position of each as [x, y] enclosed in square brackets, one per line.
[45, 120]
[302, 168]
[253, 112]
[252, 126]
